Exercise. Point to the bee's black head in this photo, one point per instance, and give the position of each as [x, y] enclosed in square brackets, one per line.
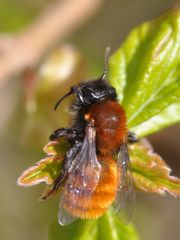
[89, 92]
[94, 91]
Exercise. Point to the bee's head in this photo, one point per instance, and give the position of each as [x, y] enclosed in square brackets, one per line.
[89, 92]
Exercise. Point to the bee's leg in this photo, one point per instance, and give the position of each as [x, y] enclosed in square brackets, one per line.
[67, 166]
[61, 132]
[70, 159]
[132, 137]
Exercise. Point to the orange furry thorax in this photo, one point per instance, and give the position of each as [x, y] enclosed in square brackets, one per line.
[110, 124]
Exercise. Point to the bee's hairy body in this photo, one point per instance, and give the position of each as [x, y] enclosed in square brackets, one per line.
[110, 124]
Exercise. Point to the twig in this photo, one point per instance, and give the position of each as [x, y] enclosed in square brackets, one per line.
[27, 49]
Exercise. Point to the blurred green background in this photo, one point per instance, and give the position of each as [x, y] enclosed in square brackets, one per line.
[23, 133]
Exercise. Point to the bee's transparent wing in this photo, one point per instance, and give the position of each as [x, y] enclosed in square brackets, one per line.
[64, 217]
[124, 204]
[82, 181]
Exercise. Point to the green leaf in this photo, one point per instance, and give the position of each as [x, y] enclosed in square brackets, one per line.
[111, 228]
[56, 148]
[47, 169]
[107, 227]
[150, 172]
[159, 121]
[145, 73]
[79, 230]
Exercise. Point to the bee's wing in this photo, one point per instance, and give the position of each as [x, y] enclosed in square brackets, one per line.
[124, 204]
[82, 181]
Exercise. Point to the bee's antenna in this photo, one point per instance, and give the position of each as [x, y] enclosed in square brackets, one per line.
[106, 58]
[61, 99]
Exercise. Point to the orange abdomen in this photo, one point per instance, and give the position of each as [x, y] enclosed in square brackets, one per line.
[101, 199]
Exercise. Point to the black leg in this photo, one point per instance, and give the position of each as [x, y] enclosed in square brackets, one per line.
[67, 166]
[132, 137]
[69, 160]
[61, 132]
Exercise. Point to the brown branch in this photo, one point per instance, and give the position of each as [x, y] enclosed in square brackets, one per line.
[27, 49]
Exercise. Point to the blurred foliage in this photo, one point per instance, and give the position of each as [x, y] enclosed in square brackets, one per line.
[15, 15]
[145, 73]
[42, 87]
[59, 67]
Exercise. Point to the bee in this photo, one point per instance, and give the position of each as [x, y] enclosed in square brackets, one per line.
[95, 172]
